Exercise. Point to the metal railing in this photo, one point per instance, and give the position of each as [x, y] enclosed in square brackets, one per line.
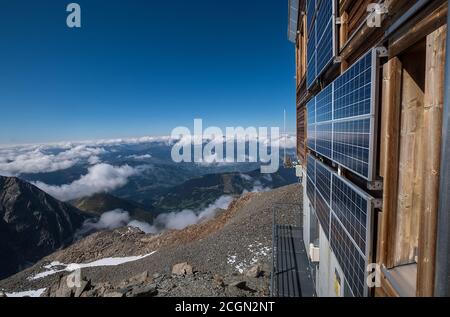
[283, 214]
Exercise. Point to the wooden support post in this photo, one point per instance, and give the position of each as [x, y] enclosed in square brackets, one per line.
[434, 99]
[389, 156]
[343, 37]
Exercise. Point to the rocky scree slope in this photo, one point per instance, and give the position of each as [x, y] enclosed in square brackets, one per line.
[229, 255]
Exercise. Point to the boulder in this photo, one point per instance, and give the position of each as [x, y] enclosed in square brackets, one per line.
[148, 290]
[140, 278]
[253, 272]
[63, 289]
[219, 280]
[182, 269]
[239, 284]
[84, 285]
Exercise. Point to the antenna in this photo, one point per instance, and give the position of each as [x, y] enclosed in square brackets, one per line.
[285, 136]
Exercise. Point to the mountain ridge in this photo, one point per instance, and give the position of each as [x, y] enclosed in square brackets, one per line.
[33, 224]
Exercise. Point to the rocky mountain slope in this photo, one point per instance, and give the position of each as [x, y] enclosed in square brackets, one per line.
[32, 224]
[198, 193]
[229, 255]
[100, 203]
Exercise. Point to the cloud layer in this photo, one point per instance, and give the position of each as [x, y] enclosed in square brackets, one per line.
[100, 178]
[182, 219]
[40, 159]
[112, 220]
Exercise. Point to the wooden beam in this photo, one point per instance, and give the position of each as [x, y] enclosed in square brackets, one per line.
[418, 28]
[410, 169]
[343, 37]
[389, 156]
[344, 5]
[434, 100]
[366, 36]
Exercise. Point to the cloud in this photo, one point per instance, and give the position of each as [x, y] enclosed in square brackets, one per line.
[140, 157]
[42, 159]
[100, 178]
[169, 221]
[110, 220]
[246, 177]
[182, 219]
[258, 187]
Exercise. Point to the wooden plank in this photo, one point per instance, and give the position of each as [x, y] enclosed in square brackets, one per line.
[434, 100]
[366, 36]
[343, 37]
[418, 28]
[391, 105]
[410, 184]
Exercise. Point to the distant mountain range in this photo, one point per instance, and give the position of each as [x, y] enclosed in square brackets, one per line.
[198, 193]
[32, 224]
[100, 203]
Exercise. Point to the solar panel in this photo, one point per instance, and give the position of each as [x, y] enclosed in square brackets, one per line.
[311, 179]
[353, 90]
[324, 105]
[311, 71]
[344, 125]
[323, 195]
[353, 264]
[310, 13]
[351, 206]
[325, 51]
[351, 145]
[345, 215]
[311, 127]
[323, 139]
[321, 38]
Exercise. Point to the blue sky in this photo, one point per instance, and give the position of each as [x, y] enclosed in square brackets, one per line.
[142, 67]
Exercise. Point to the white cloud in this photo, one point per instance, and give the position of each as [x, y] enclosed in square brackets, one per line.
[112, 220]
[182, 219]
[140, 157]
[100, 178]
[246, 177]
[39, 158]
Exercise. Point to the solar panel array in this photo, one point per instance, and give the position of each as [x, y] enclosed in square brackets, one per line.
[321, 39]
[344, 213]
[344, 116]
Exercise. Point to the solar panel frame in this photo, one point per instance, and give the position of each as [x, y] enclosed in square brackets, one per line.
[311, 179]
[313, 70]
[344, 246]
[311, 124]
[367, 252]
[320, 38]
[368, 169]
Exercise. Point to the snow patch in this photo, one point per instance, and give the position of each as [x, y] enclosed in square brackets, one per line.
[31, 293]
[61, 267]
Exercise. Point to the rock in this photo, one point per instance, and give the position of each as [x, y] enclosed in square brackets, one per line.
[156, 275]
[140, 278]
[84, 285]
[182, 269]
[253, 272]
[219, 280]
[114, 294]
[239, 284]
[149, 290]
[2, 294]
[102, 288]
[63, 289]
